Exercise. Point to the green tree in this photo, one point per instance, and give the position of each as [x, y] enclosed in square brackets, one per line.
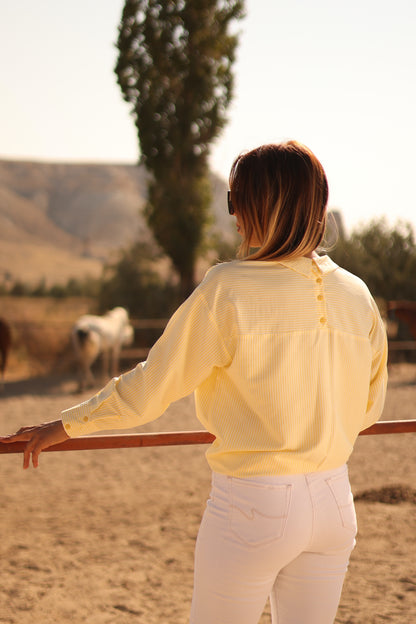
[175, 69]
[133, 282]
[384, 257]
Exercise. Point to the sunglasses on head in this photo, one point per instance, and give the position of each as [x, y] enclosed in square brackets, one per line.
[230, 204]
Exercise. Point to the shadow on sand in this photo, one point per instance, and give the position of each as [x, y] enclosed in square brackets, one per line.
[40, 386]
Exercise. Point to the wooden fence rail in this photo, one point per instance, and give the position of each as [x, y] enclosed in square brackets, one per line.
[402, 345]
[175, 438]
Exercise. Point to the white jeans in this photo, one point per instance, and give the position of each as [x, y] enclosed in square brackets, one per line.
[287, 537]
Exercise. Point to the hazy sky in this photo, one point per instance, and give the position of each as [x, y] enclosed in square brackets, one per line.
[339, 76]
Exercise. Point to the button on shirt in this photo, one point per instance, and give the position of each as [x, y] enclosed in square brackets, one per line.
[288, 361]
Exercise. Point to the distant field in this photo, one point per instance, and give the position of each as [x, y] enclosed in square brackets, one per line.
[41, 332]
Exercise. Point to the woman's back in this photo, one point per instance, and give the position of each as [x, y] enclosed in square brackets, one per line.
[306, 342]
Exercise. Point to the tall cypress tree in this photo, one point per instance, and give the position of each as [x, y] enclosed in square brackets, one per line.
[175, 69]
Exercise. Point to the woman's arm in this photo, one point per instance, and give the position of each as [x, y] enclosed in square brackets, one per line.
[189, 349]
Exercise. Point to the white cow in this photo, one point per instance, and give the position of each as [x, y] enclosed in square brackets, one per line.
[100, 335]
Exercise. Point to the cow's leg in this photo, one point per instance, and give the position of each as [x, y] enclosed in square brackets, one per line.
[105, 371]
[115, 361]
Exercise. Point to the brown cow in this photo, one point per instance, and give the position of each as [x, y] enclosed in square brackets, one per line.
[404, 311]
[5, 343]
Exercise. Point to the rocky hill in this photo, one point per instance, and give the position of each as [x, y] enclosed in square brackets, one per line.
[65, 220]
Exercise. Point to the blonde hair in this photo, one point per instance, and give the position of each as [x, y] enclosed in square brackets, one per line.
[280, 193]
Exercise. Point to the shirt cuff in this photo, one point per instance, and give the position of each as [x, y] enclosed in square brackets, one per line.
[76, 421]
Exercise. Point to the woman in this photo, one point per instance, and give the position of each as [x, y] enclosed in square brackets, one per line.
[287, 355]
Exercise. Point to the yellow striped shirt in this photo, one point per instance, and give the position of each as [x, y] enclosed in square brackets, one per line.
[288, 361]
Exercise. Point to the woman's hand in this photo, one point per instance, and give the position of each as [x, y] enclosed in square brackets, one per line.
[38, 438]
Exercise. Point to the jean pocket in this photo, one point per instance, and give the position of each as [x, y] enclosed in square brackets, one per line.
[341, 491]
[258, 513]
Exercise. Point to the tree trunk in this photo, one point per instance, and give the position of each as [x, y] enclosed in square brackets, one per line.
[187, 282]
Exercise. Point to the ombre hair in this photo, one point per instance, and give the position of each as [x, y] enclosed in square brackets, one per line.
[280, 193]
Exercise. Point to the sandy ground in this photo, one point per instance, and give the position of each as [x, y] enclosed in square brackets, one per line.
[108, 536]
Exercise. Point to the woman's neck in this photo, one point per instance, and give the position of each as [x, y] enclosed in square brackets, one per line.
[311, 255]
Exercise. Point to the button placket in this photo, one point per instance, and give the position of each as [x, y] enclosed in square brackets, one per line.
[320, 298]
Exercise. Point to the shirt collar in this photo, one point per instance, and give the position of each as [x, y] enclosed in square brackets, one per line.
[306, 266]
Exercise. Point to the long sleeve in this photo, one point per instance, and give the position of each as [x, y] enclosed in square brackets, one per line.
[190, 348]
[378, 381]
